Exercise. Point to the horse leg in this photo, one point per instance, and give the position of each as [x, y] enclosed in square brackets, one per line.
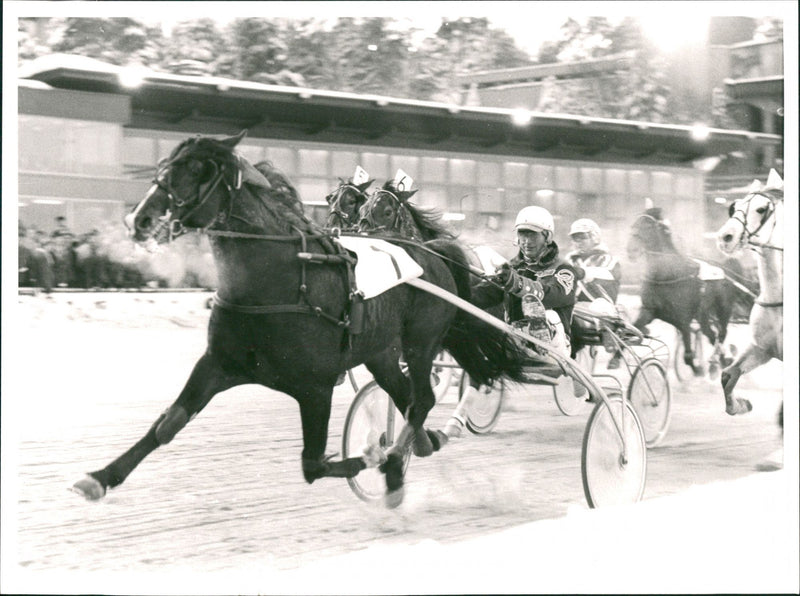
[645, 317]
[315, 413]
[207, 379]
[713, 339]
[420, 363]
[752, 357]
[688, 350]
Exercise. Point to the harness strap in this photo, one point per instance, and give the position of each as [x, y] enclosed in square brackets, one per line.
[768, 304]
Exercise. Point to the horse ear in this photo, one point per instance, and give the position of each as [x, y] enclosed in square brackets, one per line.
[365, 185]
[234, 140]
[404, 196]
[774, 180]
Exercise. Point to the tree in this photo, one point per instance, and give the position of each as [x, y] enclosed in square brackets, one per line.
[118, 40]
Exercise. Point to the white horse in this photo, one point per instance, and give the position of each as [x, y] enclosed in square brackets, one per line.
[756, 223]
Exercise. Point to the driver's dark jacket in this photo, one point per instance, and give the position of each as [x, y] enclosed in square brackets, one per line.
[558, 279]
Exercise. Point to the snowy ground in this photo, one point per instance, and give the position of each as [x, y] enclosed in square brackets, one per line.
[679, 543]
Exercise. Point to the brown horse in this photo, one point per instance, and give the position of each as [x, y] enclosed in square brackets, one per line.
[293, 325]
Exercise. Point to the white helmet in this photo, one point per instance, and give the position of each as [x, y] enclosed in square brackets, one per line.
[534, 218]
[586, 226]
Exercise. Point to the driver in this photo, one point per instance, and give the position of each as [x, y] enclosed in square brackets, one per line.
[536, 270]
[602, 272]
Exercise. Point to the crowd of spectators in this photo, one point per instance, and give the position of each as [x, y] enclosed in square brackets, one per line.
[106, 258]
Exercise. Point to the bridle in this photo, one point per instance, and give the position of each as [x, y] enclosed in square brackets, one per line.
[176, 226]
[740, 214]
[335, 200]
[368, 210]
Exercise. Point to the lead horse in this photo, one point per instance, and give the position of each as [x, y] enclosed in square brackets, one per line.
[756, 223]
[673, 291]
[289, 324]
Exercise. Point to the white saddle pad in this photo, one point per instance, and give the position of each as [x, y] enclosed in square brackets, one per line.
[381, 265]
[709, 272]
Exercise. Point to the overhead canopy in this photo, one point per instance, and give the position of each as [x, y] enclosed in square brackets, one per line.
[213, 105]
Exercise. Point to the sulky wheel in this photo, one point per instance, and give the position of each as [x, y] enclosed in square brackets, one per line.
[650, 394]
[611, 477]
[486, 406]
[373, 421]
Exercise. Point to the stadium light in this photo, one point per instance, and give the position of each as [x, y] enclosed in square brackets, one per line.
[700, 132]
[132, 77]
[521, 117]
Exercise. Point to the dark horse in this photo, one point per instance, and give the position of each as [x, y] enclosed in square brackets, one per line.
[292, 324]
[672, 290]
[389, 211]
[344, 204]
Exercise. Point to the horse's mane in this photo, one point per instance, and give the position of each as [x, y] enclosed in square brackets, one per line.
[426, 220]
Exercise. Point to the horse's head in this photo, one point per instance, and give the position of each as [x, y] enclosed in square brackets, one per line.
[190, 189]
[754, 220]
[384, 209]
[345, 203]
[650, 232]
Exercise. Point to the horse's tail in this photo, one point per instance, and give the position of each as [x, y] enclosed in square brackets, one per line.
[485, 352]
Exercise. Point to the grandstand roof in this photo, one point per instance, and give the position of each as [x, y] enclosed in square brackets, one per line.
[214, 105]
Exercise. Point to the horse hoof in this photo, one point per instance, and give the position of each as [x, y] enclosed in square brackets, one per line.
[438, 439]
[422, 444]
[89, 488]
[739, 406]
[394, 498]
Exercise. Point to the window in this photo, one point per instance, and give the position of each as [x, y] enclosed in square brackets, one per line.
[489, 173]
[283, 158]
[377, 164]
[662, 183]
[515, 199]
[462, 171]
[312, 162]
[434, 197]
[312, 189]
[344, 164]
[686, 185]
[542, 177]
[616, 181]
[434, 169]
[489, 200]
[516, 175]
[408, 163]
[62, 145]
[566, 178]
[639, 182]
[592, 180]
[139, 151]
[252, 153]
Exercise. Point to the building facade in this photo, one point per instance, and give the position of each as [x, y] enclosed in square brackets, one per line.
[89, 141]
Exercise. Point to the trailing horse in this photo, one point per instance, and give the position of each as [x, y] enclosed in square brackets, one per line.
[344, 204]
[388, 210]
[672, 290]
[291, 323]
[756, 223]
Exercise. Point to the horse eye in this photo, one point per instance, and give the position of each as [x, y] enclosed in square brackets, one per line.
[731, 209]
[761, 210]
